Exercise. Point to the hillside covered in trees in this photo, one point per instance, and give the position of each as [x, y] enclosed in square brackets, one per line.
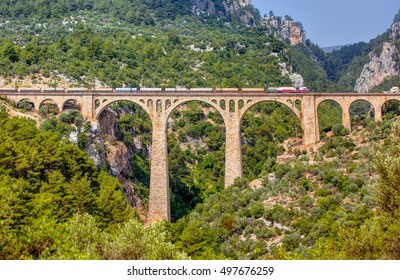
[155, 43]
[84, 44]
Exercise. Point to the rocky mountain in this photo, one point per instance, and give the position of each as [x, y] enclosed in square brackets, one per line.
[384, 61]
[233, 10]
[286, 29]
[133, 11]
[243, 11]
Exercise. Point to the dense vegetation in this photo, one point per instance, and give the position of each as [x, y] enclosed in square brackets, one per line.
[160, 43]
[319, 205]
[136, 12]
[150, 57]
[99, 46]
[56, 205]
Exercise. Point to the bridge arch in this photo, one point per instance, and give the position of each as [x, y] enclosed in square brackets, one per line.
[232, 106]
[48, 100]
[297, 104]
[391, 105]
[133, 125]
[289, 103]
[26, 104]
[335, 109]
[183, 101]
[362, 100]
[222, 104]
[361, 109]
[264, 123]
[240, 104]
[107, 103]
[194, 123]
[53, 107]
[71, 104]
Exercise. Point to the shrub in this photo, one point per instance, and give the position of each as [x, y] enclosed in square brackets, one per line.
[25, 105]
[306, 201]
[48, 109]
[257, 210]
[339, 130]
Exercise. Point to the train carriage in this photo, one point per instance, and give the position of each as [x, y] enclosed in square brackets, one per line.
[49, 90]
[252, 90]
[201, 90]
[100, 90]
[228, 90]
[151, 89]
[30, 90]
[8, 90]
[76, 90]
[126, 90]
[178, 89]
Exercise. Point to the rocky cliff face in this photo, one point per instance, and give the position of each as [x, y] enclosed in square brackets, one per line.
[94, 146]
[107, 150]
[382, 65]
[395, 32]
[286, 29]
[230, 9]
[379, 68]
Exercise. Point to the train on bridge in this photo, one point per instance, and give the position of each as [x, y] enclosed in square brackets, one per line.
[152, 90]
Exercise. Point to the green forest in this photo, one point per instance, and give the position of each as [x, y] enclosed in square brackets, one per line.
[94, 45]
[339, 199]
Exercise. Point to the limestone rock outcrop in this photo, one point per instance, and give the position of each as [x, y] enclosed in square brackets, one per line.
[382, 65]
[379, 68]
[95, 146]
[395, 32]
[230, 9]
[105, 148]
[297, 80]
[286, 29]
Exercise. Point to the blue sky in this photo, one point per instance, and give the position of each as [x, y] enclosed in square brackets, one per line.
[336, 22]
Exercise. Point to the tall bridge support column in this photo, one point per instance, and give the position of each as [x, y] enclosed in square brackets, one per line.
[36, 103]
[87, 107]
[233, 150]
[159, 202]
[309, 120]
[378, 113]
[346, 117]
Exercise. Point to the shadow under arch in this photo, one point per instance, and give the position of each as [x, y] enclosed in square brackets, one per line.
[102, 106]
[48, 107]
[196, 153]
[329, 113]
[265, 126]
[182, 102]
[360, 110]
[250, 104]
[47, 100]
[71, 104]
[25, 104]
[391, 108]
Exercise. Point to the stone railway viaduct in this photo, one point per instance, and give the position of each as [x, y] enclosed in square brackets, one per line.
[231, 105]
